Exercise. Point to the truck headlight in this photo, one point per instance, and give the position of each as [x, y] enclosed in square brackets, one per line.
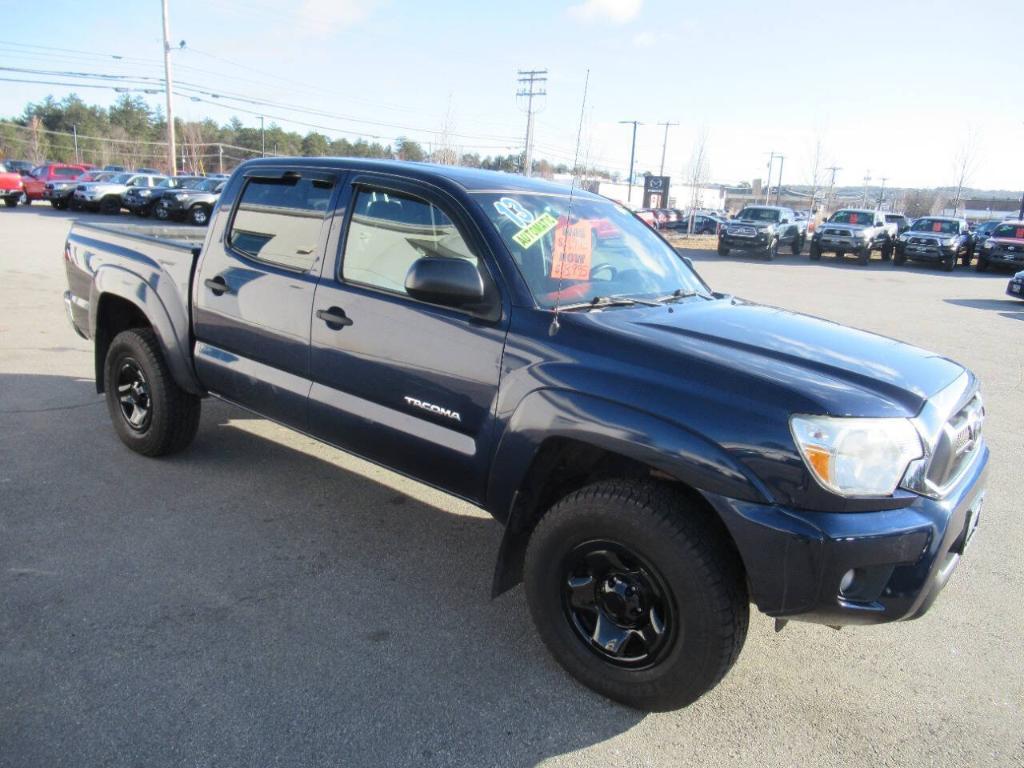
[987, 244]
[951, 242]
[904, 238]
[856, 456]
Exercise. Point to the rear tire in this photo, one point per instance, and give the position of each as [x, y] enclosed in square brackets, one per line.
[151, 414]
[798, 245]
[815, 252]
[899, 259]
[10, 202]
[679, 598]
[887, 250]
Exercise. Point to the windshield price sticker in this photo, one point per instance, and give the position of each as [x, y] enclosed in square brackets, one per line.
[530, 234]
[853, 218]
[571, 252]
[1020, 233]
[937, 226]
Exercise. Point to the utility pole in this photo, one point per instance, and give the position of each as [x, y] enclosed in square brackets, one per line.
[864, 196]
[831, 186]
[74, 130]
[881, 192]
[768, 187]
[778, 187]
[172, 160]
[263, 139]
[1020, 216]
[530, 86]
[664, 144]
[220, 158]
[632, 156]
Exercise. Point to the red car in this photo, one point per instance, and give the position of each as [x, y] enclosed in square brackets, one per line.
[35, 185]
[11, 186]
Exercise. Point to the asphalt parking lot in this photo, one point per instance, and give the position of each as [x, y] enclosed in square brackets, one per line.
[264, 600]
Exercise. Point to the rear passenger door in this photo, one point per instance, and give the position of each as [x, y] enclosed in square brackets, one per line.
[253, 290]
[409, 384]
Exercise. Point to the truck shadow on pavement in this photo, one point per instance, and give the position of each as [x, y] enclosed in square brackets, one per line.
[258, 599]
[1011, 308]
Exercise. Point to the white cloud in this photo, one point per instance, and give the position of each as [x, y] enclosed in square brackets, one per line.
[322, 17]
[615, 11]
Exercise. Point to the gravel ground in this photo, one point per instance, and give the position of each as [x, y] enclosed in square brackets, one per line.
[263, 600]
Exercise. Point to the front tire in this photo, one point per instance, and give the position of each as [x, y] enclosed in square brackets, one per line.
[198, 216]
[949, 263]
[798, 245]
[772, 250]
[723, 250]
[10, 202]
[110, 205]
[981, 265]
[151, 414]
[864, 255]
[887, 250]
[638, 592]
[815, 252]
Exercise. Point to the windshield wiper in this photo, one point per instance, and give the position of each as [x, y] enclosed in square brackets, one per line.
[600, 302]
[678, 293]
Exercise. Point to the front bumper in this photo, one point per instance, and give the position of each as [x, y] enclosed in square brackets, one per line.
[58, 194]
[901, 559]
[835, 243]
[926, 252]
[1002, 256]
[1015, 288]
[740, 242]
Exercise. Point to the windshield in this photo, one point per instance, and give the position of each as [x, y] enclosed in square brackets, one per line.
[988, 226]
[852, 217]
[118, 178]
[894, 219]
[208, 185]
[603, 251]
[1016, 231]
[759, 214]
[941, 226]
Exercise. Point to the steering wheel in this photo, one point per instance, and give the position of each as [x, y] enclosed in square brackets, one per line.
[603, 267]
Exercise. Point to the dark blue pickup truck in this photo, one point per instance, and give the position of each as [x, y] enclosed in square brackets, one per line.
[660, 454]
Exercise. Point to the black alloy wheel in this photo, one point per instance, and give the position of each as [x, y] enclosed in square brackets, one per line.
[133, 395]
[618, 605]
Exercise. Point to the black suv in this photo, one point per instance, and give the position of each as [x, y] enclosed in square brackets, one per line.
[142, 200]
[193, 202]
[762, 228]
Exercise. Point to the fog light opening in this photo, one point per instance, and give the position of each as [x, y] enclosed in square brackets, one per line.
[847, 581]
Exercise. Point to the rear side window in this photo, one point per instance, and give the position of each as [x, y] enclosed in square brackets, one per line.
[389, 231]
[279, 220]
[63, 170]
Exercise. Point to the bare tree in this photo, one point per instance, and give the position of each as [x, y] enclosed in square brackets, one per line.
[816, 165]
[36, 141]
[192, 148]
[446, 153]
[965, 162]
[697, 172]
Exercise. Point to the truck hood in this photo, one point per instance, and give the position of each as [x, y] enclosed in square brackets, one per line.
[851, 227]
[842, 370]
[996, 241]
[103, 187]
[10, 181]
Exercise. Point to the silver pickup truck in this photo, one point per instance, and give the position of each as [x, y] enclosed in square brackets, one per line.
[856, 231]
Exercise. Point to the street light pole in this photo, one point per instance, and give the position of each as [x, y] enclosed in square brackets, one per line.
[263, 139]
[778, 187]
[664, 144]
[172, 160]
[632, 156]
[881, 192]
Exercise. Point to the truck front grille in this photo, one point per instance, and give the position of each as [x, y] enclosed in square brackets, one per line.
[837, 232]
[959, 440]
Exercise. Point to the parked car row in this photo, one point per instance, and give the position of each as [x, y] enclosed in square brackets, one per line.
[942, 240]
[144, 192]
[704, 222]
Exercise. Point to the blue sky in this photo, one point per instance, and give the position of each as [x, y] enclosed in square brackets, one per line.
[891, 89]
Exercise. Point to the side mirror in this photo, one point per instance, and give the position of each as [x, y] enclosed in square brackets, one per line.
[448, 282]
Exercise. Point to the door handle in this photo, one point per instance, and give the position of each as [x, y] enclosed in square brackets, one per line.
[335, 318]
[217, 285]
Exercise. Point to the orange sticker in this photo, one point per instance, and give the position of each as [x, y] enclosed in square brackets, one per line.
[571, 251]
[937, 226]
[1020, 233]
[853, 218]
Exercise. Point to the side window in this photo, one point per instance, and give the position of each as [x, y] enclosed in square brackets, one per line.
[388, 231]
[65, 171]
[279, 220]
